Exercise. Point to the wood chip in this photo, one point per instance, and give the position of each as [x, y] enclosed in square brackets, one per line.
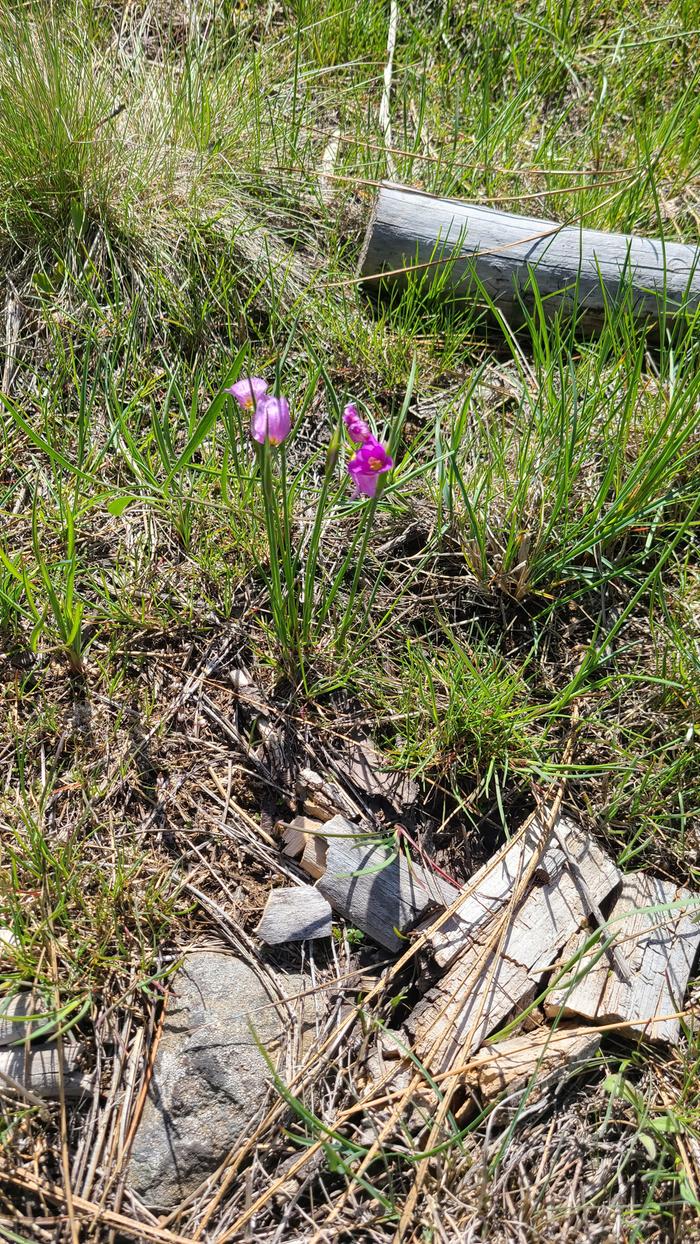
[314, 858]
[500, 970]
[384, 896]
[295, 914]
[294, 839]
[323, 799]
[506, 1066]
[659, 947]
[316, 811]
[303, 841]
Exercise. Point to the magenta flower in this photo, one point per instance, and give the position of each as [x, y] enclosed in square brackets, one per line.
[370, 461]
[271, 421]
[359, 430]
[248, 392]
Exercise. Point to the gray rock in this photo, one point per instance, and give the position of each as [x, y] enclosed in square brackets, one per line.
[210, 1078]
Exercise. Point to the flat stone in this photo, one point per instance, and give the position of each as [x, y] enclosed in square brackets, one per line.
[210, 1078]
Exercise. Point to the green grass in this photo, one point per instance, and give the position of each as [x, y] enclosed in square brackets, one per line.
[169, 222]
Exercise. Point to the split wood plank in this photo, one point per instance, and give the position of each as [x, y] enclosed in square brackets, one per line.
[295, 914]
[37, 1070]
[659, 947]
[381, 895]
[509, 1064]
[491, 888]
[499, 971]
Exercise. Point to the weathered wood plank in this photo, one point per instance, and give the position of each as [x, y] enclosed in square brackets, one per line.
[509, 1064]
[295, 914]
[22, 1015]
[375, 892]
[659, 947]
[38, 1070]
[574, 268]
[491, 889]
[488, 982]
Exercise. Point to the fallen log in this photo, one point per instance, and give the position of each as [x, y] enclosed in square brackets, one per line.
[469, 251]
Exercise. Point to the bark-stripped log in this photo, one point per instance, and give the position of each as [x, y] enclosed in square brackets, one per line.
[465, 249]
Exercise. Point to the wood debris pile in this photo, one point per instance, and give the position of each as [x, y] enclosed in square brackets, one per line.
[548, 931]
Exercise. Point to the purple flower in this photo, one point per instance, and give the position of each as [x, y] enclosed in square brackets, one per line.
[271, 421]
[248, 392]
[370, 461]
[359, 430]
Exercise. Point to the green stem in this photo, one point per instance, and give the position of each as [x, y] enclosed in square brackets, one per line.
[369, 516]
[276, 594]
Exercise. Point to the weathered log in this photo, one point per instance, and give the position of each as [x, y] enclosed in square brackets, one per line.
[467, 251]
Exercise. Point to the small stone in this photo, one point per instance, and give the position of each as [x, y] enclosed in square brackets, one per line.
[210, 1078]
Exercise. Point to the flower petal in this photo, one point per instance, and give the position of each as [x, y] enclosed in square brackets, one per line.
[249, 391]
